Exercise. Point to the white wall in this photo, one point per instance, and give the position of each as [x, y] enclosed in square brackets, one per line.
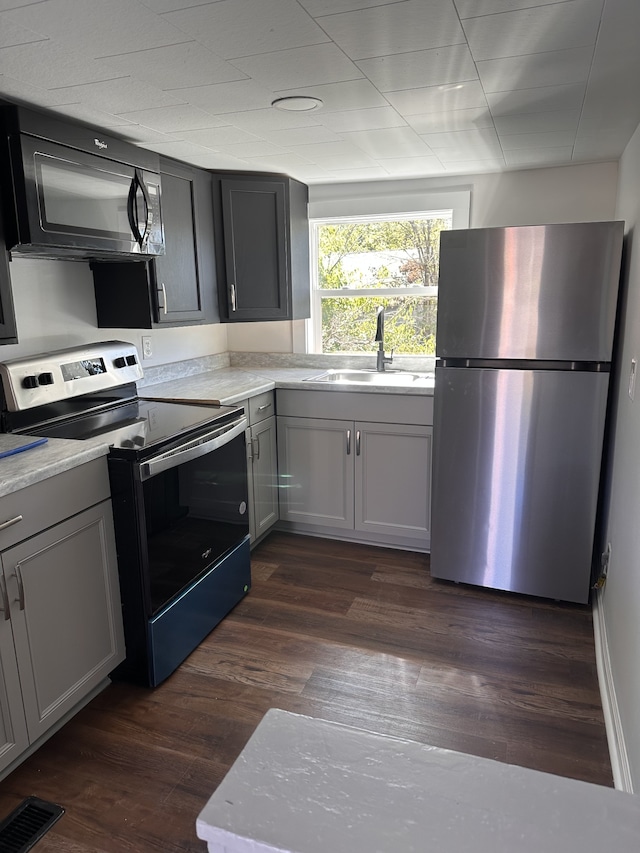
[621, 596]
[55, 308]
[584, 193]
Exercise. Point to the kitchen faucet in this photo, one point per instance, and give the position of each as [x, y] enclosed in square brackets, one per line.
[381, 359]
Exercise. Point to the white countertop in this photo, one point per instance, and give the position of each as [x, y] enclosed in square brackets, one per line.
[39, 463]
[227, 385]
[230, 385]
[311, 786]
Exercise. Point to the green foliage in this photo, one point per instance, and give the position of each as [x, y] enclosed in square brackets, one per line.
[402, 253]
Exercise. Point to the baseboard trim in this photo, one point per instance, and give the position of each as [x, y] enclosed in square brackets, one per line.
[615, 736]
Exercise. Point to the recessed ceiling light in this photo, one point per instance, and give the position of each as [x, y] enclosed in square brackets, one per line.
[297, 103]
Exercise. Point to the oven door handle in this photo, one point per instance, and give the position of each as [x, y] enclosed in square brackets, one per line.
[192, 449]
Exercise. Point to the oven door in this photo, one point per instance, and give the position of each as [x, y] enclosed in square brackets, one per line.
[85, 206]
[195, 510]
[182, 532]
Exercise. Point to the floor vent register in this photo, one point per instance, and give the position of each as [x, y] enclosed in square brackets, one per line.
[26, 824]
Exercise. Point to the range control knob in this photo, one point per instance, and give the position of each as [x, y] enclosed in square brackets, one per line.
[120, 361]
[45, 379]
[30, 382]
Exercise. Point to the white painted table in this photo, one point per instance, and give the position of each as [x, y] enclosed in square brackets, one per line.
[311, 786]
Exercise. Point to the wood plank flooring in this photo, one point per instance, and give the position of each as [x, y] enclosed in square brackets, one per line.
[341, 631]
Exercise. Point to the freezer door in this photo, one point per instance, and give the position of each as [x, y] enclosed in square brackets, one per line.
[516, 469]
[529, 292]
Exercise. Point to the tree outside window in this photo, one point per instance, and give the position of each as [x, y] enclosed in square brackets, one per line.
[362, 263]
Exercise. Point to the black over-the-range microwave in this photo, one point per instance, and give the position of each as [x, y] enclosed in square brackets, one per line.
[69, 191]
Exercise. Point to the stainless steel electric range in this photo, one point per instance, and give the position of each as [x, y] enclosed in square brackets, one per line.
[179, 492]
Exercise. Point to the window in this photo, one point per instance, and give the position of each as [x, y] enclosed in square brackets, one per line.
[362, 262]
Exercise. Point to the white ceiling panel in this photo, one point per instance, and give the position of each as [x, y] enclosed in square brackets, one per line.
[218, 137]
[369, 119]
[175, 66]
[420, 68]
[407, 89]
[97, 27]
[302, 136]
[120, 96]
[308, 66]
[50, 65]
[538, 156]
[395, 28]
[538, 122]
[412, 166]
[14, 34]
[438, 99]
[183, 117]
[390, 142]
[556, 26]
[553, 139]
[540, 100]
[538, 69]
[330, 7]
[220, 98]
[452, 120]
[235, 28]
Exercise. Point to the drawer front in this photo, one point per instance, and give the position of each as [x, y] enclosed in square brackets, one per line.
[351, 405]
[261, 406]
[46, 503]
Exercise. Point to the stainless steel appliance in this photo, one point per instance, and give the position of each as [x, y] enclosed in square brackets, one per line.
[70, 191]
[179, 492]
[524, 343]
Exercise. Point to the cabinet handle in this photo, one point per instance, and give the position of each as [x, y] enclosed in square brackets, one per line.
[5, 598]
[164, 297]
[348, 442]
[10, 522]
[262, 408]
[256, 447]
[20, 587]
[357, 442]
[234, 304]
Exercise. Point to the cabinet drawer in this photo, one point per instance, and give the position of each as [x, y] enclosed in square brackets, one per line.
[260, 407]
[351, 405]
[50, 501]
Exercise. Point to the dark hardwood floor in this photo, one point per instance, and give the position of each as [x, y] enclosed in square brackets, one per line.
[344, 632]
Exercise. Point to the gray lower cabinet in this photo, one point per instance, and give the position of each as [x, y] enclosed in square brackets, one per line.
[262, 464]
[359, 479]
[61, 625]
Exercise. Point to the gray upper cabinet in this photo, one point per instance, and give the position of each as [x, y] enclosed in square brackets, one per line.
[262, 239]
[179, 287]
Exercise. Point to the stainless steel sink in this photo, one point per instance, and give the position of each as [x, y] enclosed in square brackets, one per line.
[372, 377]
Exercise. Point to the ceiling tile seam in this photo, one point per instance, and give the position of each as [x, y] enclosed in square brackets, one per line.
[436, 86]
[92, 83]
[407, 52]
[586, 87]
[147, 49]
[591, 44]
[508, 11]
[361, 9]
[206, 85]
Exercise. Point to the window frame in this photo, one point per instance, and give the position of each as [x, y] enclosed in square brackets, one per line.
[314, 324]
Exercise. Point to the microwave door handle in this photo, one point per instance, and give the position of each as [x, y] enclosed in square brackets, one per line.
[132, 209]
[147, 209]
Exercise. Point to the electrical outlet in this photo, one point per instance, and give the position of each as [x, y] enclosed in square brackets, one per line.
[147, 348]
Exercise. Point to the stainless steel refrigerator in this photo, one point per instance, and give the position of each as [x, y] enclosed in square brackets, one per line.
[524, 343]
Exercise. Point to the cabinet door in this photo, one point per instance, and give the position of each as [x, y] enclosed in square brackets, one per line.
[393, 480]
[8, 333]
[13, 727]
[255, 245]
[265, 476]
[65, 612]
[315, 471]
[178, 289]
